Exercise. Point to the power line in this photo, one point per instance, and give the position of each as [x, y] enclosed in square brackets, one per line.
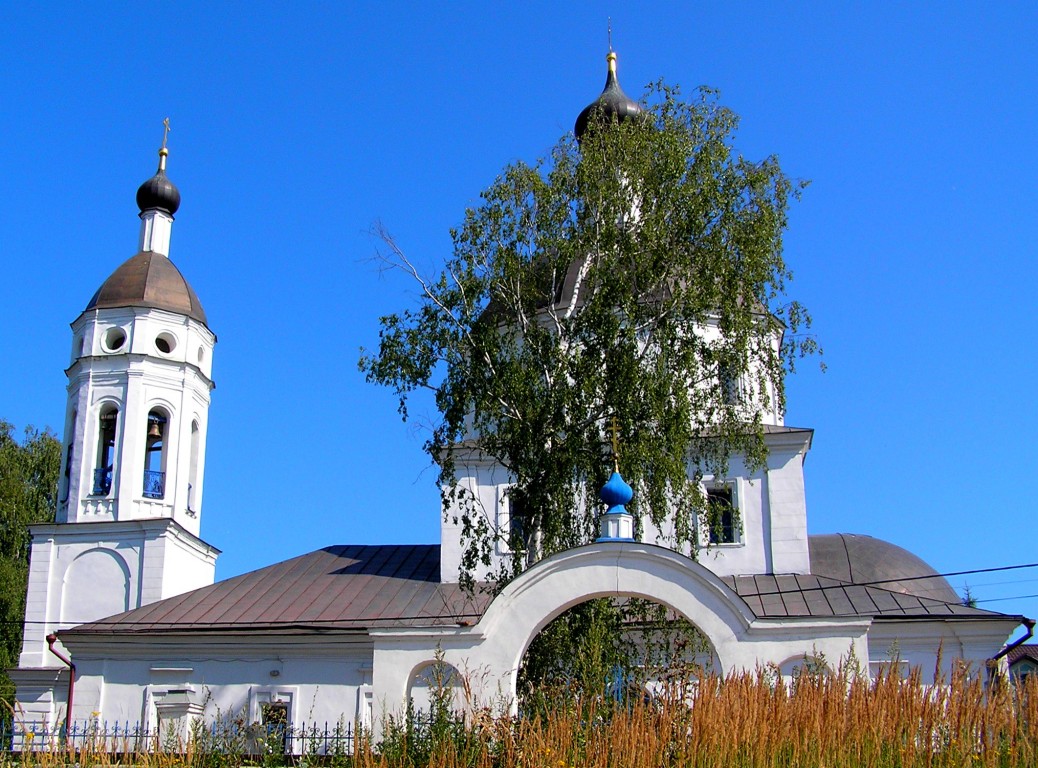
[1000, 583]
[1002, 599]
[946, 575]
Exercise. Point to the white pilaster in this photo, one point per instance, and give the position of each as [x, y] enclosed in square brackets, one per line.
[156, 230]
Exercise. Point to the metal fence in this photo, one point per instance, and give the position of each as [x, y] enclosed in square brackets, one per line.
[215, 737]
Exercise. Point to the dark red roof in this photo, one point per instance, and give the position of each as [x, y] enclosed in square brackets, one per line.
[362, 587]
[1026, 651]
[340, 587]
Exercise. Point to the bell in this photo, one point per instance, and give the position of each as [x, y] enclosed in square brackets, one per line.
[155, 429]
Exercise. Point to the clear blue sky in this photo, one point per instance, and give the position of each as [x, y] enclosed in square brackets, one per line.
[295, 127]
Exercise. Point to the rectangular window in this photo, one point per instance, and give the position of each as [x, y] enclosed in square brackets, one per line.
[276, 726]
[722, 518]
[270, 712]
[731, 387]
[510, 523]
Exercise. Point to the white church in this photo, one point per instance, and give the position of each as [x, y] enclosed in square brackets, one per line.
[124, 622]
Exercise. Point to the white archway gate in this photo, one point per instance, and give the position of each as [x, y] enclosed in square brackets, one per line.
[490, 651]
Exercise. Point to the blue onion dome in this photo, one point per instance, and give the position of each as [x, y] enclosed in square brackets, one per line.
[159, 192]
[616, 492]
[612, 106]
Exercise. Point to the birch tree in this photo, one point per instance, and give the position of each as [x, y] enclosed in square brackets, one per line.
[638, 275]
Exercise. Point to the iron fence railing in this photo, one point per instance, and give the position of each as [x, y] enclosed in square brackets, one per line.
[214, 737]
[102, 481]
[154, 483]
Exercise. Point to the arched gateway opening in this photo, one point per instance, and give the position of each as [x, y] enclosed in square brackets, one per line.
[489, 653]
[618, 649]
[616, 571]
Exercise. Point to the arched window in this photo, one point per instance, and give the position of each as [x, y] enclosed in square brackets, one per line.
[105, 451]
[67, 474]
[192, 483]
[155, 456]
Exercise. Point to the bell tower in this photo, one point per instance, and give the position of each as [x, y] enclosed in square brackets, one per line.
[139, 385]
[130, 490]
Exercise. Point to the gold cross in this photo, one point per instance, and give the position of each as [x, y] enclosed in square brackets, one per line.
[165, 132]
[614, 428]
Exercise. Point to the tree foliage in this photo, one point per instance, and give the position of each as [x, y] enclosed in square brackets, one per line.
[28, 494]
[637, 275]
[611, 649]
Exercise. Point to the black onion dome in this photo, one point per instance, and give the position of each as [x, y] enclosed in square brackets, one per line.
[158, 192]
[612, 106]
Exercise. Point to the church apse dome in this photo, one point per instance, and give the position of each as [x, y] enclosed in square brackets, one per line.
[863, 559]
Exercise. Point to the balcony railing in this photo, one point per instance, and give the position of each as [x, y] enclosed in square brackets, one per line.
[102, 481]
[154, 484]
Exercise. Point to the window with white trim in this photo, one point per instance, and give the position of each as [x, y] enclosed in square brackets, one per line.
[510, 530]
[723, 525]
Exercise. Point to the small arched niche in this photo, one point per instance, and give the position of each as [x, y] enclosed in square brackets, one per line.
[97, 584]
[806, 666]
[436, 687]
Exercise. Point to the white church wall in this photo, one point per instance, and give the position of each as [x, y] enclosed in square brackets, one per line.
[77, 572]
[909, 644]
[748, 553]
[60, 556]
[82, 599]
[321, 680]
[188, 564]
[486, 484]
[771, 504]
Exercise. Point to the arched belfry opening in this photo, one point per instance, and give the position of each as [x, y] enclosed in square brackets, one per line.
[155, 442]
[105, 467]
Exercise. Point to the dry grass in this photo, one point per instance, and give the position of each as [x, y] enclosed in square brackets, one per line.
[747, 721]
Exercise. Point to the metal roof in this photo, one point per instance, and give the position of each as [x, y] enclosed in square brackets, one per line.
[1025, 651]
[149, 280]
[808, 595]
[343, 588]
[335, 588]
